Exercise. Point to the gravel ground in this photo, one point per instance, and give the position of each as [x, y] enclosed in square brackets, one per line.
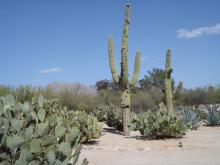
[200, 147]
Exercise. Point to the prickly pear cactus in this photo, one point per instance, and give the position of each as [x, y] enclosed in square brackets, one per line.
[29, 136]
[87, 124]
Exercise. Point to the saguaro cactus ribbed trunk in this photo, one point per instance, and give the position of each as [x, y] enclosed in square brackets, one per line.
[122, 79]
[168, 86]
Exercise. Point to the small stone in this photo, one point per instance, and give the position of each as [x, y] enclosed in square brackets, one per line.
[180, 144]
[121, 149]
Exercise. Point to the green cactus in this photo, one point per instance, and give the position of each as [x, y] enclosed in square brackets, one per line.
[35, 140]
[179, 91]
[159, 124]
[122, 79]
[168, 86]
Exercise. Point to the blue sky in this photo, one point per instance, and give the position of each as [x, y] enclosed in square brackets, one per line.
[42, 41]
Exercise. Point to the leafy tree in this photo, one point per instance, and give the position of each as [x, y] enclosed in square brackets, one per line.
[102, 84]
[105, 84]
[154, 78]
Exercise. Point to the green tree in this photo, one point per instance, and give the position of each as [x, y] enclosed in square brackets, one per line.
[106, 85]
[155, 78]
[102, 84]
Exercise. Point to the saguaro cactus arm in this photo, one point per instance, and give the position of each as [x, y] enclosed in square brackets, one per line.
[112, 60]
[136, 68]
[124, 48]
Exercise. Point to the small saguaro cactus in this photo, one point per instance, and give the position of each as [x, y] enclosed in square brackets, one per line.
[168, 80]
[122, 79]
[179, 90]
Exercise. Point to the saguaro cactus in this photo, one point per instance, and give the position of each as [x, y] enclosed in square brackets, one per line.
[122, 79]
[168, 86]
[179, 90]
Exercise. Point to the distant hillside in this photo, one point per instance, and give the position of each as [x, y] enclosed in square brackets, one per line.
[78, 88]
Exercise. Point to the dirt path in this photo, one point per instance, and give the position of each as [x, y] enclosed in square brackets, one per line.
[200, 147]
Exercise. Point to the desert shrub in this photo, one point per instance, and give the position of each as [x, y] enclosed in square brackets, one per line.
[195, 97]
[159, 124]
[31, 135]
[75, 101]
[142, 101]
[191, 118]
[145, 99]
[213, 95]
[213, 115]
[69, 99]
[74, 96]
[4, 90]
[107, 97]
[47, 92]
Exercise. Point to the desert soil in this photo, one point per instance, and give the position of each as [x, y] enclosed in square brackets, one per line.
[200, 147]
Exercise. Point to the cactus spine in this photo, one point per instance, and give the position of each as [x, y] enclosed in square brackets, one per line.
[122, 79]
[168, 86]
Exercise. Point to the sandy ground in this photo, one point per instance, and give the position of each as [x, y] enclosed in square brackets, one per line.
[200, 147]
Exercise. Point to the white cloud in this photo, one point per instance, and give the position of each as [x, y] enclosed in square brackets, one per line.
[201, 31]
[51, 70]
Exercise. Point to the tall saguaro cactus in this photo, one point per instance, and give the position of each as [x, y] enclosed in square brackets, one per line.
[168, 85]
[122, 79]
